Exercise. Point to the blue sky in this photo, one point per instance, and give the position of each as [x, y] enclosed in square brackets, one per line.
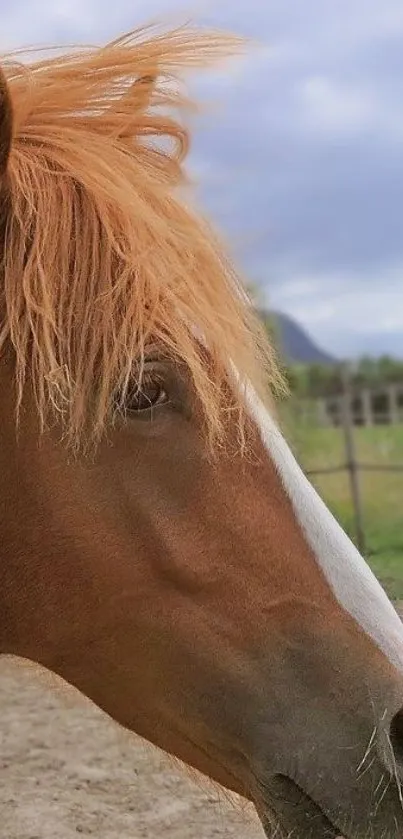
[302, 163]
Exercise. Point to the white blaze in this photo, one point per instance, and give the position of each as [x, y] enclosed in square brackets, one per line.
[352, 581]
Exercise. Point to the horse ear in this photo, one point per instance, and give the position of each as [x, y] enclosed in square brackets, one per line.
[6, 123]
[142, 89]
[136, 99]
[145, 86]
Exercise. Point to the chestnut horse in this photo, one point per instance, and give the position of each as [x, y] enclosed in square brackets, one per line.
[161, 549]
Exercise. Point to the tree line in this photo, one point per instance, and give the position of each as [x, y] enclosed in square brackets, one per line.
[327, 380]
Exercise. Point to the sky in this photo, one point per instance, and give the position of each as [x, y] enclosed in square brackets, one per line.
[300, 162]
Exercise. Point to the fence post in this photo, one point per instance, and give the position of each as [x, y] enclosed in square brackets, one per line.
[351, 461]
[393, 404]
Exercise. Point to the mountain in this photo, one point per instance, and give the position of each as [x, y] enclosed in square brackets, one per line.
[294, 344]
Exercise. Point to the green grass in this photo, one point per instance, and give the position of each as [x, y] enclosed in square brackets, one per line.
[382, 492]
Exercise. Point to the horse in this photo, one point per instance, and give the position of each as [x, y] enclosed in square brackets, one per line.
[161, 549]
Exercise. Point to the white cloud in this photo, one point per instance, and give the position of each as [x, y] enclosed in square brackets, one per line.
[327, 105]
[42, 22]
[334, 110]
[361, 304]
[292, 290]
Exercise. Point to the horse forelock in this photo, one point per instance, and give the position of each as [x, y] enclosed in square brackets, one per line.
[100, 255]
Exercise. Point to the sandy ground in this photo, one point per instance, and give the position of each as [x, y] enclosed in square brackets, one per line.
[68, 771]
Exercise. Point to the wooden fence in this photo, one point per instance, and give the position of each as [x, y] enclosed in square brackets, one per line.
[351, 464]
[380, 405]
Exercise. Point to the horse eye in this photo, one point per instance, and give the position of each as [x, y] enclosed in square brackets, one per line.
[150, 394]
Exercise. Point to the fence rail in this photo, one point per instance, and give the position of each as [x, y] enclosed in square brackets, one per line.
[360, 467]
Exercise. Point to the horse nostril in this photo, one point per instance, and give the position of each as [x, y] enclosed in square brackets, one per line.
[396, 738]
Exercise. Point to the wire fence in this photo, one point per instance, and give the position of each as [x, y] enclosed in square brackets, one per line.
[351, 465]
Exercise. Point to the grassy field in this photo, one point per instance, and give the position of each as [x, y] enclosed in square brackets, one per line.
[382, 492]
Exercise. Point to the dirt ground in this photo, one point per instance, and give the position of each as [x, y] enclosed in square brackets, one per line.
[67, 771]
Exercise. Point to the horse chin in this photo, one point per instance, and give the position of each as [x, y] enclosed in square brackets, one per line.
[285, 810]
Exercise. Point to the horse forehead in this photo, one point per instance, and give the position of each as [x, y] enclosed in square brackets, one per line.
[350, 578]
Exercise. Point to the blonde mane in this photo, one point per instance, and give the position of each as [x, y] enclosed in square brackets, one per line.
[100, 255]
